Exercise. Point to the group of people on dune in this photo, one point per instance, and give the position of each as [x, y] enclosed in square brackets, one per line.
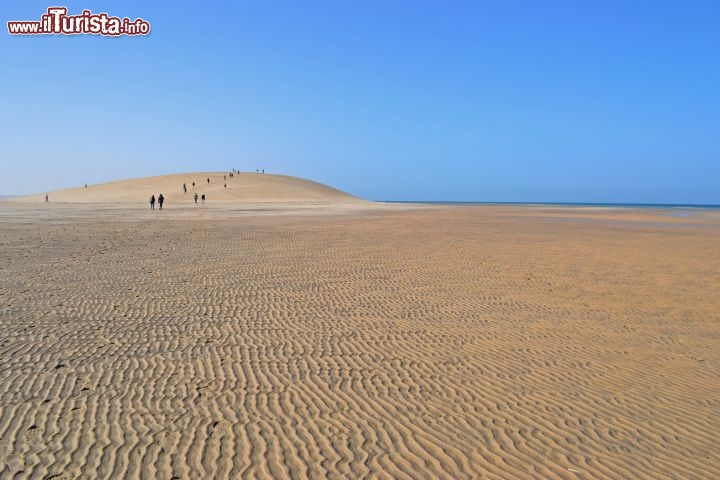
[161, 199]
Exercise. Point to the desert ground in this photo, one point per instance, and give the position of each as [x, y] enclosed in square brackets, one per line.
[287, 330]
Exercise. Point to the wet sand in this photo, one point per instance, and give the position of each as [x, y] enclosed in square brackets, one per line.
[358, 341]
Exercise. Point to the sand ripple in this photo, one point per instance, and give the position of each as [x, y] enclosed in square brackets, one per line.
[427, 343]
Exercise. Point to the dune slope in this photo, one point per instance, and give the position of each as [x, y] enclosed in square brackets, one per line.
[242, 187]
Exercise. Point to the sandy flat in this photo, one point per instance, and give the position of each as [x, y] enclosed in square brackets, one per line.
[357, 341]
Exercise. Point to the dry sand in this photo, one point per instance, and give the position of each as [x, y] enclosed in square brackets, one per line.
[358, 341]
[242, 187]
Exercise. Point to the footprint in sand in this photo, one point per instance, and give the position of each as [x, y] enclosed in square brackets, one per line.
[32, 434]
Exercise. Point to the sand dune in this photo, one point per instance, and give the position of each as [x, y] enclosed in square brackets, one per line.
[440, 343]
[242, 187]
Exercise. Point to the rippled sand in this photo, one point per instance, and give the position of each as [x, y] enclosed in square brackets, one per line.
[358, 341]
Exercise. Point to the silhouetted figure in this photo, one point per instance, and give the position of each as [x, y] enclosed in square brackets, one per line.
[184, 188]
[263, 171]
[46, 198]
[208, 180]
[257, 170]
[203, 198]
[193, 185]
[225, 185]
[152, 202]
[195, 198]
[161, 199]
[86, 185]
[224, 177]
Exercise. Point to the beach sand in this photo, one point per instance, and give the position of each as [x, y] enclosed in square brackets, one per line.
[358, 341]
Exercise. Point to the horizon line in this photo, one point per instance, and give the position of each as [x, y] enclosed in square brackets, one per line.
[616, 204]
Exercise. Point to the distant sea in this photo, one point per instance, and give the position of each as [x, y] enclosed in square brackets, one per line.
[567, 204]
[5, 197]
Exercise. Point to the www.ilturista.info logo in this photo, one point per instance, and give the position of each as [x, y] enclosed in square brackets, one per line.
[57, 21]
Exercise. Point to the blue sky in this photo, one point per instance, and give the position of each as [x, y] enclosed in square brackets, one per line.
[613, 101]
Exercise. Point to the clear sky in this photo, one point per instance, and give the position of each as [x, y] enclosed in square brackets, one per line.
[506, 100]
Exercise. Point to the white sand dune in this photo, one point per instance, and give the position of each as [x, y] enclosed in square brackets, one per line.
[242, 187]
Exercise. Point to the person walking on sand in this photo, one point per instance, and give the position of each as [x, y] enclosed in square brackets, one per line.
[184, 188]
[152, 202]
[161, 199]
[46, 198]
[208, 179]
[193, 185]
[203, 199]
[195, 198]
[225, 185]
